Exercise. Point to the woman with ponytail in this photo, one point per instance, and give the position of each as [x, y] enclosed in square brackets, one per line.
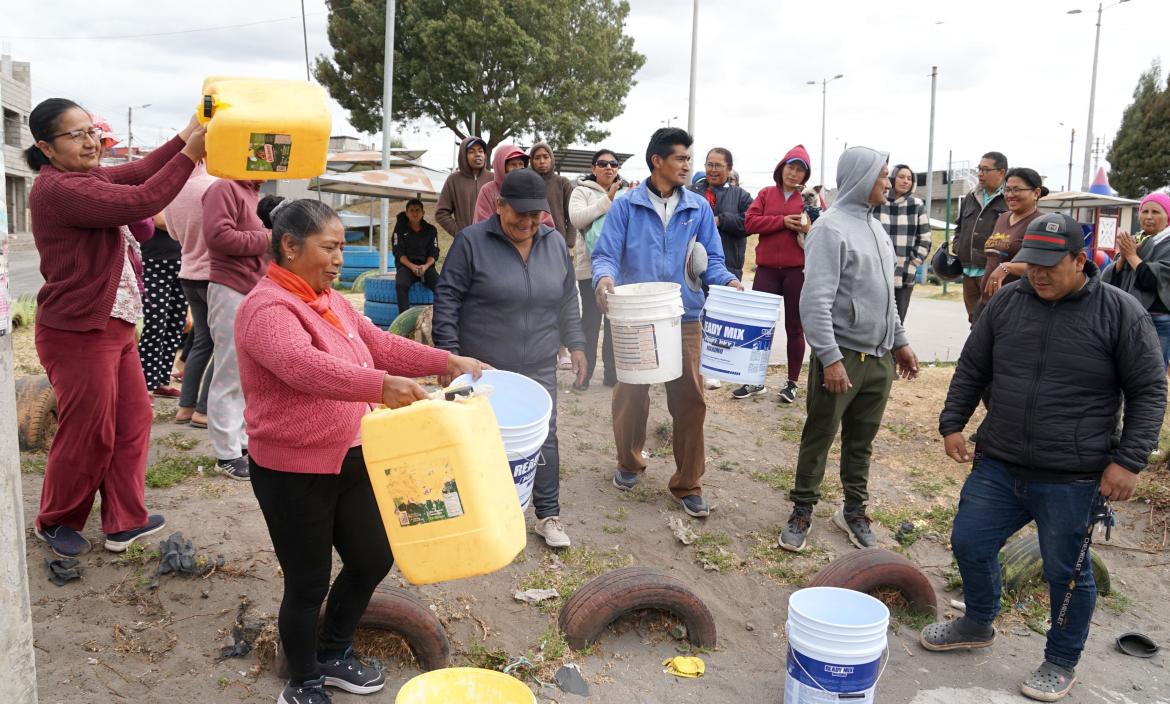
[82, 215]
[311, 366]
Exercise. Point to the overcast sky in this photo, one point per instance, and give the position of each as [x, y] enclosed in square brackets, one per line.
[1010, 72]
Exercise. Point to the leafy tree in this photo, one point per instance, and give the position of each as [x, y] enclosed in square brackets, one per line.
[1140, 154]
[557, 69]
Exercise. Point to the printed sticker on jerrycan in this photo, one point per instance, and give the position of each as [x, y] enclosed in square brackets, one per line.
[427, 508]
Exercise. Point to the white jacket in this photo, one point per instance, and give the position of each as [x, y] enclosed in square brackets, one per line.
[588, 202]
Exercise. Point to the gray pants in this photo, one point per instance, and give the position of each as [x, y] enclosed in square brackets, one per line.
[225, 399]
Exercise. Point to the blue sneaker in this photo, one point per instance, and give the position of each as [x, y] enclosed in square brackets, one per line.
[65, 542]
[351, 674]
[625, 480]
[695, 506]
[118, 542]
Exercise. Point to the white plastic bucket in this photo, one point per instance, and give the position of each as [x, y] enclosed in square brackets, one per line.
[646, 329]
[738, 327]
[522, 408]
[836, 638]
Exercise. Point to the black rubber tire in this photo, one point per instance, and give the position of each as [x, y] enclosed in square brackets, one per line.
[398, 611]
[380, 288]
[381, 314]
[872, 569]
[36, 413]
[1021, 566]
[604, 599]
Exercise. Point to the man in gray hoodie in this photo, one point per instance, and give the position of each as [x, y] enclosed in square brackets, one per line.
[850, 321]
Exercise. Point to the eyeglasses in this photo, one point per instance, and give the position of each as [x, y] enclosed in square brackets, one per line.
[988, 169]
[79, 136]
[714, 166]
[602, 163]
[1014, 191]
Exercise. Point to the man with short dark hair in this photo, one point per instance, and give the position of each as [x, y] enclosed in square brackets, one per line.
[977, 215]
[646, 237]
[456, 207]
[1061, 354]
[416, 249]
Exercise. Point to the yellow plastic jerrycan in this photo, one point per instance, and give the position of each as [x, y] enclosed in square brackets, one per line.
[263, 129]
[444, 488]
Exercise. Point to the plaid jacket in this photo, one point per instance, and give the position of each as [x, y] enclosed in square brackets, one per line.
[908, 225]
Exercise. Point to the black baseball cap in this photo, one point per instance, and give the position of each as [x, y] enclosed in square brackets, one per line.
[525, 191]
[1049, 238]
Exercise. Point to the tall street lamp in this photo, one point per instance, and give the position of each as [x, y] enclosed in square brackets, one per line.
[130, 129]
[824, 105]
[1092, 93]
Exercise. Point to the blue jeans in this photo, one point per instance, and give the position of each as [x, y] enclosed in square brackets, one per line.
[1162, 325]
[993, 506]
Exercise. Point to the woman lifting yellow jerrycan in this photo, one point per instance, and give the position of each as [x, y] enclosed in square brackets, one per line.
[262, 129]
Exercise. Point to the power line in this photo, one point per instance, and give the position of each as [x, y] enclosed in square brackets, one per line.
[161, 34]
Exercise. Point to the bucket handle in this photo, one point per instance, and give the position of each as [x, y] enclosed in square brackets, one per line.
[885, 654]
[716, 342]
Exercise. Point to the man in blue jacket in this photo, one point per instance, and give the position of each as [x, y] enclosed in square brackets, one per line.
[646, 238]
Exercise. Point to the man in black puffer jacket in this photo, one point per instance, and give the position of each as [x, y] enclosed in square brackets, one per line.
[1059, 352]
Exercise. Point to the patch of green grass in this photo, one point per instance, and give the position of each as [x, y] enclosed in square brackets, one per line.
[1031, 606]
[479, 655]
[553, 644]
[33, 464]
[727, 466]
[137, 554]
[790, 428]
[641, 494]
[760, 441]
[584, 446]
[1117, 602]
[172, 469]
[715, 450]
[177, 441]
[23, 312]
[664, 451]
[776, 477]
[618, 515]
[613, 530]
[712, 554]
[578, 564]
[664, 431]
[902, 430]
[787, 567]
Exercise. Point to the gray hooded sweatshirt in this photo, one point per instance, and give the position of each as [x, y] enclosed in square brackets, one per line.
[848, 295]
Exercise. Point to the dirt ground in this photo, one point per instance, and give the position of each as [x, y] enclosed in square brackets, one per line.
[109, 637]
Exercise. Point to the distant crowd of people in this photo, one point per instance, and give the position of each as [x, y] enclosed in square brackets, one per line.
[280, 368]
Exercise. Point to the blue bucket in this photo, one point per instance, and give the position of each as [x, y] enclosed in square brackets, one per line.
[522, 408]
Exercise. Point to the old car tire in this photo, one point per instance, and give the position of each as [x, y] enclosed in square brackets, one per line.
[604, 599]
[872, 569]
[398, 611]
[36, 413]
[1022, 567]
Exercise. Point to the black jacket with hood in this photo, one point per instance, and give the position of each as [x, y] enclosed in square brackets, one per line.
[456, 207]
[417, 247]
[975, 224]
[1057, 374]
[731, 205]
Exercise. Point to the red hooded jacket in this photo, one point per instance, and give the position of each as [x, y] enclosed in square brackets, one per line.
[777, 247]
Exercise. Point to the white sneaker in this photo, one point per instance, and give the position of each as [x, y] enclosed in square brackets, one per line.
[709, 383]
[553, 531]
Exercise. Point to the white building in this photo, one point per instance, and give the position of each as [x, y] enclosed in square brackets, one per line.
[16, 100]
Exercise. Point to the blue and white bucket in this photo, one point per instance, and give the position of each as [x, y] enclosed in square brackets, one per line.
[522, 409]
[738, 327]
[836, 638]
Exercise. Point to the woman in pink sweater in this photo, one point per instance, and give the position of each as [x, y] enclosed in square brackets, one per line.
[311, 366]
[86, 224]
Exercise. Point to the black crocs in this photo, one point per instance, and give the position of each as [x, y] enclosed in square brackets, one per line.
[956, 635]
[1049, 683]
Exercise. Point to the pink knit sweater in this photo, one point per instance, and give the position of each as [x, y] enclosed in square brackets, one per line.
[306, 384]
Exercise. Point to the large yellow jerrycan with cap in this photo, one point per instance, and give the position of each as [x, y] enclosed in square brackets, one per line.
[444, 488]
[262, 129]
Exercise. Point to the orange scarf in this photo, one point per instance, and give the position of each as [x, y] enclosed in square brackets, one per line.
[300, 288]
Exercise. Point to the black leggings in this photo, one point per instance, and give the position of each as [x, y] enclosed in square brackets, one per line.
[308, 515]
